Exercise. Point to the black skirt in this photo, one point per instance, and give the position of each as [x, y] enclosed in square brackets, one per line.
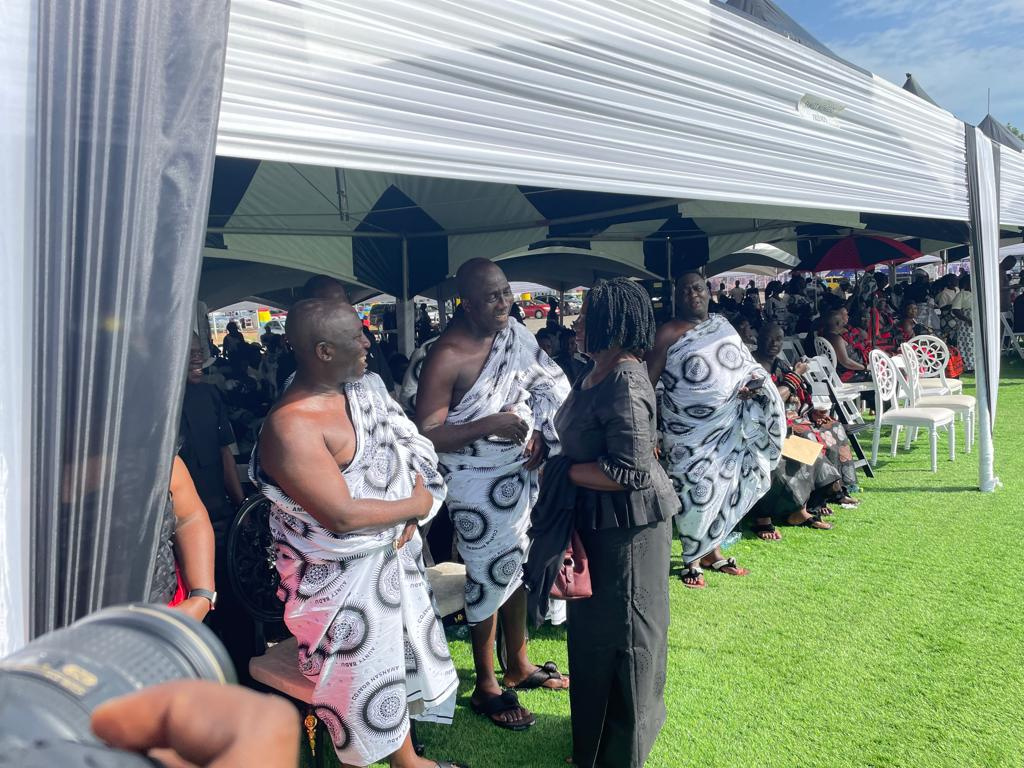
[618, 646]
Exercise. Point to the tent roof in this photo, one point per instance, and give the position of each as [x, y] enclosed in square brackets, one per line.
[1000, 133]
[914, 87]
[768, 14]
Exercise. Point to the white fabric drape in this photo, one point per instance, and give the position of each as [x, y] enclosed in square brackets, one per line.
[17, 140]
[676, 99]
[1011, 186]
[126, 107]
[982, 180]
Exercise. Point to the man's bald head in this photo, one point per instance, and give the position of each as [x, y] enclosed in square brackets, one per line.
[485, 293]
[325, 287]
[473, 274]
[328, 339]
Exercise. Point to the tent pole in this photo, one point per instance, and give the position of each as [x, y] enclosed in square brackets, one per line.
[442, 301]
[405, 314]
[668, 278]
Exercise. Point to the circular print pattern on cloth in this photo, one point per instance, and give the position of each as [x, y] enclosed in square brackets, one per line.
[696, 369]
[436, 641]
[389, 582]
[470, 524]
[331, 718]
[349, 632]
[474, 592]
[310, 662]
[381, 466]
[505, 491]
[506, 567]
[384, 709]
[412, 662]
[701, 493]
[729, 356]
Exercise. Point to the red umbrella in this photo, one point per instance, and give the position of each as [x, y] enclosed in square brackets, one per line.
[859, 252]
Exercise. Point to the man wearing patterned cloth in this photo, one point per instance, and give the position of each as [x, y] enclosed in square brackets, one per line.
[485, 394]
[723, 428]
[349, 478]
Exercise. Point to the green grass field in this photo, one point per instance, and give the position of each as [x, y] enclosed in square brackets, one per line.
[896, 639]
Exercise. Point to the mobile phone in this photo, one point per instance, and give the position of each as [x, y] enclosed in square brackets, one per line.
[755, 384]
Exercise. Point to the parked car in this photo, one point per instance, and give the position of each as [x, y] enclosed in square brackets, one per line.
[570, 306]
[534, 308]
[275, 326]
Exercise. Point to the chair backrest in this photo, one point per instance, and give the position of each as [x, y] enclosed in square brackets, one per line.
[884, 374]
[817, 379]
[912, 373]
[823, 347]
[791, 350]
[932, 356]
[820, 366]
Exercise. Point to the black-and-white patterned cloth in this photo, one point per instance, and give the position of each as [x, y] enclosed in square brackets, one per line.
[719, 450]
[490, 495]
[362, 612]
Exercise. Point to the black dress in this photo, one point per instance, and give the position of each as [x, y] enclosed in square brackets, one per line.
[618, 638]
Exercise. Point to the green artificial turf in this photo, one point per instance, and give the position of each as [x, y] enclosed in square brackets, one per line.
[896, 639]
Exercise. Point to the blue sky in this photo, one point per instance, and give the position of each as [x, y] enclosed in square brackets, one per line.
[956, 49]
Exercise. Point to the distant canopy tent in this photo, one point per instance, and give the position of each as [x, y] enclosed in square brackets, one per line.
[914, 87]
[758, 259]
[273, 224]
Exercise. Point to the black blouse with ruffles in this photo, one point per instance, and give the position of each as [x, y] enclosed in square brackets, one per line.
[613, 423]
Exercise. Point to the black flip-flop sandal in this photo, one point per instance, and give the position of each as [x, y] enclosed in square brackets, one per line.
[537, 678]
[690, 572]
[502, 702]
[810, 523]
[764, 528]
[446, 764]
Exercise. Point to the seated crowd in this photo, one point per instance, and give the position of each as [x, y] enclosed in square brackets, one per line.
[615, 436]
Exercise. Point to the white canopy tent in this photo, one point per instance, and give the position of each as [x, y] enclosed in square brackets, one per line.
[713, 124]
[682, 102]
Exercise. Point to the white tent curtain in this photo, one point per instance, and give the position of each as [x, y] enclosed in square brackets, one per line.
[680, 100]
[126, 98]
[17, 142]
[1011, 186]
[983, 182]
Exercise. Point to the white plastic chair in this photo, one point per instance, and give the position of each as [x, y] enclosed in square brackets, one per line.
[792, 349]
[823, 348]
[933, 355]
[1010, 340]
[884, 374]
[963, 406]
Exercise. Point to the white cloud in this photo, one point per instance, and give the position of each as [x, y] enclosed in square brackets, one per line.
[955, 48]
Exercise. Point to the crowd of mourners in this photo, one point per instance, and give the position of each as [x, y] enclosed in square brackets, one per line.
[605, 440]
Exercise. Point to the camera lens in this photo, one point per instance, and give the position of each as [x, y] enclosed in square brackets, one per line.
[50, 687]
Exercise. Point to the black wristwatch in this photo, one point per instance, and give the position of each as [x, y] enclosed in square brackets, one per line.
[208, 594]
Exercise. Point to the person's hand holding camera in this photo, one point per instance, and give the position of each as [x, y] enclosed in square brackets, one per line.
[199, 724]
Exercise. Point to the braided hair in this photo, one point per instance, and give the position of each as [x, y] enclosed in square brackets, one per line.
[619, 313]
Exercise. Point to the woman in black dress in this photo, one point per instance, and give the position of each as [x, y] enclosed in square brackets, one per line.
[618, 638]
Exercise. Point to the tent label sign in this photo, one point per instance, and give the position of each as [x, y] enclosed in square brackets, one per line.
[819, 110]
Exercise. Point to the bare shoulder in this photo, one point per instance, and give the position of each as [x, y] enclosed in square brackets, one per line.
[670, 331]
[290, 416]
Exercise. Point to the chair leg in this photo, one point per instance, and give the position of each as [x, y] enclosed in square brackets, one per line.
[874, 443]
[952, 440]
[895, 438]
[911, 437]
[970, 431]
[933, 440]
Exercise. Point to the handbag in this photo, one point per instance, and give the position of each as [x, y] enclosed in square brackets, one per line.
[955, 366]
[572, 581]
